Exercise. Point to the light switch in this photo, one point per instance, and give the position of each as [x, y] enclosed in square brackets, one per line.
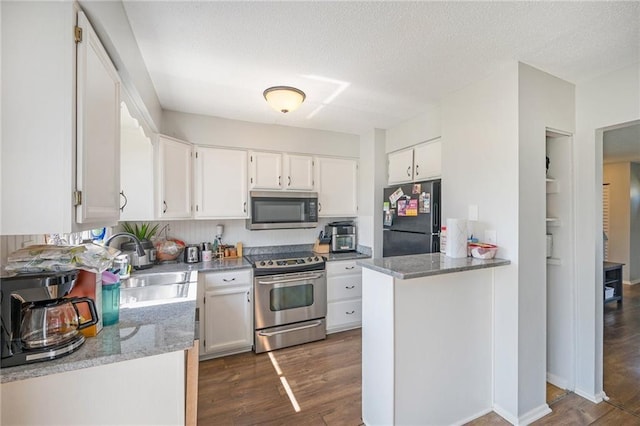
[490, 237]
[473, 212]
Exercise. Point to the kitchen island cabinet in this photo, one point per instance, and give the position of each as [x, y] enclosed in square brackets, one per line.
[427, 345]
[61, 122]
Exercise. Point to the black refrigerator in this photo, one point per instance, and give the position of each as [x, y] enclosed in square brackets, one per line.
[411, 218]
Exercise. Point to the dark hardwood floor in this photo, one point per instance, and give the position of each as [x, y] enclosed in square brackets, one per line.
[324, 378]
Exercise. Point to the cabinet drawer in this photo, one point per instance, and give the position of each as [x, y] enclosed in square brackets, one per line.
[216, 279]
[343, 267]
[348, 312]
[344, 287]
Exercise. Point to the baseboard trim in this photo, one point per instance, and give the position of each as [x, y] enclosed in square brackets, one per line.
[473, 417]
[535, 414]
[596, 399]
[558, 381]
[528, 418]
[631, 282]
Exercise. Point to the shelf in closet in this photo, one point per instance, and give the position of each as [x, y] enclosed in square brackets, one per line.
[554, 261]
[553, 221]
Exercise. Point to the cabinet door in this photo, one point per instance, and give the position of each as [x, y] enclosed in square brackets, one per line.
[136, 170]
[266, 170]
[98, 131]
[298, 172]
[220, 183]
[400, 166]
[228, 320]
[427, 160]
[174, 178]
[337, 180]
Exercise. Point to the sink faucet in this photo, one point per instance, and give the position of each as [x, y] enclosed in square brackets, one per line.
[139, 248]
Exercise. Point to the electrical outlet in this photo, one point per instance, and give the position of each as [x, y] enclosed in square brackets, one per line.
[473, 212]
[490, 237]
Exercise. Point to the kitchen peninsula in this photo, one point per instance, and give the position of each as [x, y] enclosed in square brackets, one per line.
[427, 346]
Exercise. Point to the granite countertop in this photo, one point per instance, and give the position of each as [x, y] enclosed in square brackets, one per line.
[423, 265]
[141, 332]
[350, 255]
[212, 266]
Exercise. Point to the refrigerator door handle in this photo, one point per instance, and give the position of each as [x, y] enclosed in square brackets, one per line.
[436, 216]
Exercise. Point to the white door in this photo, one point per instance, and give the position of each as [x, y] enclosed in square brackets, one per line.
[400, 166]
[221, 183]
[98, 131]
[266, 170]
[427, 159]
[337, 182]
[227, 319]
[298, 172]
[174, 175]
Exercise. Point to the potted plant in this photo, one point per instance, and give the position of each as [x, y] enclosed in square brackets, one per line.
[144, 233]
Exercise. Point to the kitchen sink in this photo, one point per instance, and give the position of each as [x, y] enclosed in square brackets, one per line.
[158, 288]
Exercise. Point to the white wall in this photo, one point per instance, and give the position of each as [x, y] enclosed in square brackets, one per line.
[372, 178]
[545, 101]
[618, 175]
[111, 23]
[480, 167]
[605, 101]
[421, 128]
[206, 130]
[634, 256]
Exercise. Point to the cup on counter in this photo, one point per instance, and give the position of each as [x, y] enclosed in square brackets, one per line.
[207, 256]
[110, 299]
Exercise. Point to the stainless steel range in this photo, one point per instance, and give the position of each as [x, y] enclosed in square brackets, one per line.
[290, 299]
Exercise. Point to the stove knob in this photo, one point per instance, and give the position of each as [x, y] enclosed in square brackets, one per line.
[309, 259]
[270, 262]
[316, 258]
[262, 263]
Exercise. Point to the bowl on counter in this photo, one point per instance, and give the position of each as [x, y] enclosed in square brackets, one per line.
[482, 250]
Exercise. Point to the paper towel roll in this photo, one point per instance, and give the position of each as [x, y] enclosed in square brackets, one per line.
[456, 238]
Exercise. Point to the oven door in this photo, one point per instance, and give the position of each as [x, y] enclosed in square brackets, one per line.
[289, 298]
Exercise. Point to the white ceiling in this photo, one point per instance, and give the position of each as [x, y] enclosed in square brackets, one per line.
[365, 64]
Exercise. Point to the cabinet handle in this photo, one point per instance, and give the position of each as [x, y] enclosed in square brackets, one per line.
[409, 171]
[350, 287]
[125, 201]
[289, 181]
[279, 180]
[417, 166]
[319, 207]
[244, 207]
[165, 207]
[228, 281]
[350, 313]
[248, 296]
[349, 267]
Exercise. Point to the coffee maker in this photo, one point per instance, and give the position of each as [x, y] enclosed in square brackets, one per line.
[38, 322]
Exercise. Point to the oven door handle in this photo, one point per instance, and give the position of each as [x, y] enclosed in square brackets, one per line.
[291, 280]
[289, 330]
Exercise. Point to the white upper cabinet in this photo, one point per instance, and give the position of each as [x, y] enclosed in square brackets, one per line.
[60, 125]
[337, 186]
[98, 131]
[421, 162]
[298, 172]
[266, 170]
[273, 170]
[427, 160]
[220, 183]
[173, 178]
[136, 170]
[401, 166]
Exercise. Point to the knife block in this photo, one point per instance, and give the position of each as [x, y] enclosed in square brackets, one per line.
[320, 248]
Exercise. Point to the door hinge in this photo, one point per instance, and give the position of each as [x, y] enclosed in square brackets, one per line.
[77, 198]
[78, 34]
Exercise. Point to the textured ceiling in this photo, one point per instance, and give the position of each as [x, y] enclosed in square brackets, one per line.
[365, 64]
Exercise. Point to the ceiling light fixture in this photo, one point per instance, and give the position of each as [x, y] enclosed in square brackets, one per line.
[284, 98]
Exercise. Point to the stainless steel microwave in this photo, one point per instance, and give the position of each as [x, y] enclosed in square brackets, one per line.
[283, 210]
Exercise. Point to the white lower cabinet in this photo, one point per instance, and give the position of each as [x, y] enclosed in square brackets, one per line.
[344, 296]
[226, 313]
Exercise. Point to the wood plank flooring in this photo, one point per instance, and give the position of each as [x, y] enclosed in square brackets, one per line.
[325, 377]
